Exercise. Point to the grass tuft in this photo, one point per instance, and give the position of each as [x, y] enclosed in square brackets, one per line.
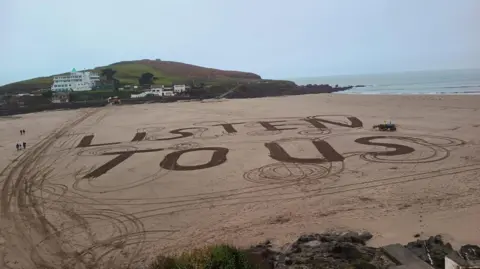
[214, 257]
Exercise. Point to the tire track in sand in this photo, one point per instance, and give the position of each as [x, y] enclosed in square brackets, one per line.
[22, 222]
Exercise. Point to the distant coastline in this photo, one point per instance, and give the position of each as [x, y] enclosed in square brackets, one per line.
[422, 82]
[136, 82]
[21, 104]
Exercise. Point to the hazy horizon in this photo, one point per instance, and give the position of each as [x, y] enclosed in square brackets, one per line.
[388, 73]
[307, 38]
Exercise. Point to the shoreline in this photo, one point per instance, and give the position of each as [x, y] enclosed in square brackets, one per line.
[410, 93]
[463, 81]
[4, 113]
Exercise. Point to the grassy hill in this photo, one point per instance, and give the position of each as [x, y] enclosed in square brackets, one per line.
[166, 72]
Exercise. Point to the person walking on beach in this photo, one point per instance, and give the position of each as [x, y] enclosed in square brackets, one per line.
[17, 145]
[24, 145]
[21, 132]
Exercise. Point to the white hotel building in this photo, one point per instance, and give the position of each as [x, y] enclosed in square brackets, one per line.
[75, 81]
[160, 90]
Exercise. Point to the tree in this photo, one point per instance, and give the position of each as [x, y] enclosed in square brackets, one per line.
[116, 84]
[47, 94]
[146, 79]
[108, 74]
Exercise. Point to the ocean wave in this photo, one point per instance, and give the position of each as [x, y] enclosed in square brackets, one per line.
[421, 82]
[461, 87]
[387, 92]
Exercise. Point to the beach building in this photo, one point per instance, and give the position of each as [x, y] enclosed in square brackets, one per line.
[75, 81]
[168, 93]
[161, 90]
[179, 88]
[155, 90]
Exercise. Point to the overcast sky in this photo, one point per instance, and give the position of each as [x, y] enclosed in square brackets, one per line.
[274, 38]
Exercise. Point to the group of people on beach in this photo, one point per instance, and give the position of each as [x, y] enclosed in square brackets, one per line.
[21, 145]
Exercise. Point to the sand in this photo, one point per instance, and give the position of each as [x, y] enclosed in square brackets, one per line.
[120, 184]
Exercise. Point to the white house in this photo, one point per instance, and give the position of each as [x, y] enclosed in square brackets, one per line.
[156, 90]
[75, 81]
[160, 90]
[179, 88]
[168, 93]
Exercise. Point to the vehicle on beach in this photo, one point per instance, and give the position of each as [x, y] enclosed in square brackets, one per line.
[114, 100]
[385, 127]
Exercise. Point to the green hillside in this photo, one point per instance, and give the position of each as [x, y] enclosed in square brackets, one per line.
[129, 72]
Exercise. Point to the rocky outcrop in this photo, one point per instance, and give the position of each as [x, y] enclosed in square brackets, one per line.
[279, 88]
[323, 88]
[327, 250]
[349, 250]
[470, 252]
[433, 247]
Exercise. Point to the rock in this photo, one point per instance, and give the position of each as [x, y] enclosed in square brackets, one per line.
[472, 252]
[313, 244]
[347, 251]
[291, 248]
[327, 250]
[437, 249]
[328, 238]
[280, 257]
[296, 250]
[280, 266]
[364, 265]
[288, 261]
[306, 238]
[351, 237]
[300, 266]
[366, 236]
[303, 259]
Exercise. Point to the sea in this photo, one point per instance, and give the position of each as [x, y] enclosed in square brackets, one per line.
[465, 81]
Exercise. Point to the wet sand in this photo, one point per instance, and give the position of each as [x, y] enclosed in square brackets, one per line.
[133, 181]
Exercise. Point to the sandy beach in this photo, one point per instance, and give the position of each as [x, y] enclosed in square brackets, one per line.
[121, 184]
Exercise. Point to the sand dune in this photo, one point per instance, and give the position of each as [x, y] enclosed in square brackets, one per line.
[130, 182]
